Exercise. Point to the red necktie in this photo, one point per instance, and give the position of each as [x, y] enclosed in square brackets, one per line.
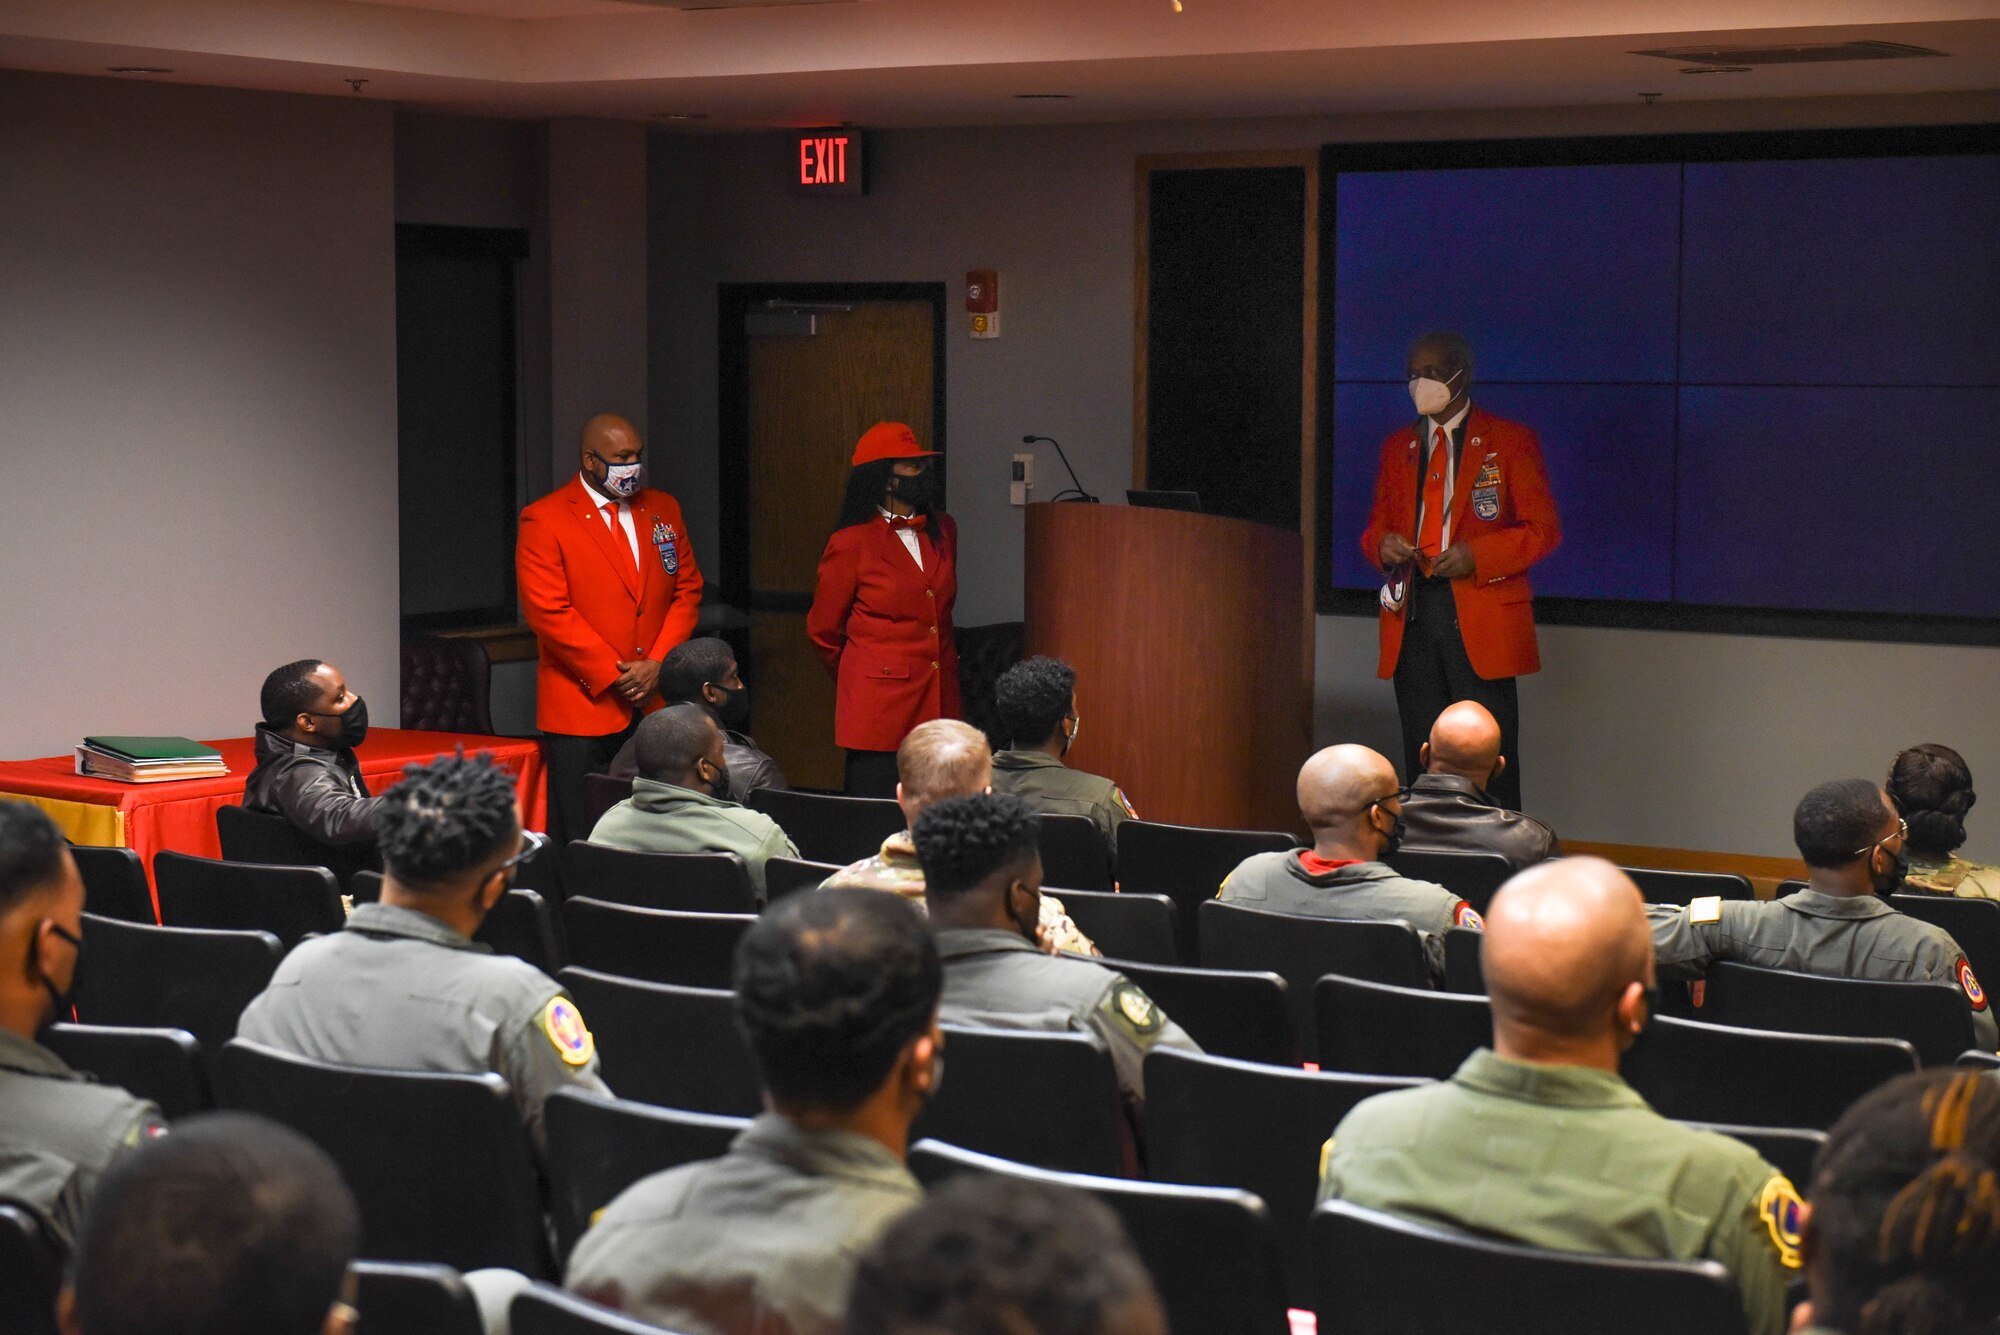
[620, 541]
[907, 521]
[1430, 534]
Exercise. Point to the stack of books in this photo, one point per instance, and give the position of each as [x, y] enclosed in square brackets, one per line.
[148, 759]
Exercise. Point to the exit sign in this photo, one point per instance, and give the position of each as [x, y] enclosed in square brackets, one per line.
[828, 162]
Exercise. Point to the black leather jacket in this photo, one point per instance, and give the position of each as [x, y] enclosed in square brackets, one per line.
[1445, 813]
[319, 791]
[749, 768]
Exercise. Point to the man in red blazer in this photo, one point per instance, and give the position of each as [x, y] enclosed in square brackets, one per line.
[608, 579]
[1462, 510]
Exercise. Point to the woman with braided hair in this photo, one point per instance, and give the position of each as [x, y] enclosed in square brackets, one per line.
[1932, 790]
[1902, 1225]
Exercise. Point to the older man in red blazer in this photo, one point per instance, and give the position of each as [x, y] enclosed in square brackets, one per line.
[1462, 510]
[608, 579]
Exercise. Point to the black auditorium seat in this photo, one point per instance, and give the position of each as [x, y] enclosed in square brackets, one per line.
[171, 977]
[1703, 1072]
[1302, 950]
[266, 837]
[684, 882]
[164, 1065]
[114, 883]
[1187, 864]
[1473, 877]
[788, 876]
[1684, 887]
[661, 946]
[1463, 970]
[601, 792]
[674, 1046]
[1048, 1099]
[1789, 1149]
[287, 902]
[1973, 923]
[1933, 1017]
[1231, 1012]
[1125, 926]
[597, 1147]
[826, 828]
[414, 1298]
[31, 1266]
[1073, 854]
[544, 1309]
[1376, 1029]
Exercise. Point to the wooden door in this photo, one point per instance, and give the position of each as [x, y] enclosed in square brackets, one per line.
[810, 398]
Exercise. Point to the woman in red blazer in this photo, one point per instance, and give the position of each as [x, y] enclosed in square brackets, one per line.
[881, 614]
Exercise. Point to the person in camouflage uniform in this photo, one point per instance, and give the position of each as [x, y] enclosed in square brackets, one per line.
[1932, 789]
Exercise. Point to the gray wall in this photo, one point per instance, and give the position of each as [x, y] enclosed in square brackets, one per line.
[1686, 741]
[197, 404]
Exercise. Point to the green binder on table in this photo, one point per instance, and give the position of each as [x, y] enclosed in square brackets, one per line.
[153, 748]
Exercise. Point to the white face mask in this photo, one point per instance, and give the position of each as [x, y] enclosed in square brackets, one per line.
[620, 479]
[1432, 396]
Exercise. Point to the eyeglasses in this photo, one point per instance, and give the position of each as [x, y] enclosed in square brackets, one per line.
[1902, 831]
[1400, 795]
[531, 844]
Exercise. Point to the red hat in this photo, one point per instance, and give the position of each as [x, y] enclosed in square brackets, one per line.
[889, 440]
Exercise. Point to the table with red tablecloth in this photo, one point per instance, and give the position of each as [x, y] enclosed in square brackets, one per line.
[180, 814]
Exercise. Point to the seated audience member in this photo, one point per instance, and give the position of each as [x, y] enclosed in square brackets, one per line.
[837, 997]
[1349, 799]
[1037, 703]
[1932, 788]
[1839, 925]
[1902, 1218]
[944, 758]
[1539, 1140]
[233, 1225]
[680, 802]
[984, 1255]
[983, 882]
[704, 672]
[306, 770]
[59, 1130]
[403, 985]
[1448, 810]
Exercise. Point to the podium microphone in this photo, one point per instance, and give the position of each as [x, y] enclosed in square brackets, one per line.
[1076, 491]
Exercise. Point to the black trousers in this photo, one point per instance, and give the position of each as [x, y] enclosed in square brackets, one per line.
[569, 758]
[1433, 672]
[871, 774]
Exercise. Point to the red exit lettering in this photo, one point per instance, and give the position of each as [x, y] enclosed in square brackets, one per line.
[823, 161]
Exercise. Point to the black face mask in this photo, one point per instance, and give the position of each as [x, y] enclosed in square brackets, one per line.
[61, 1001]
[719, 789]
[1899, 868]
[1394, 839]
[353, 724]
[919, 492]
[734, 711]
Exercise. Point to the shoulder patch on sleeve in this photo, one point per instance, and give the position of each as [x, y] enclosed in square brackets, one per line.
[1468, 916]
[1325, 1157]
[562, 1024]
[1779, 1206]
[1974, 993]
[1124, 801]
[1707, 908]
[1132, 1010]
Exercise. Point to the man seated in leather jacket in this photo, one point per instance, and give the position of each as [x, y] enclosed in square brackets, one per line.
[1448, 809]
[306, 770]
[704, 672]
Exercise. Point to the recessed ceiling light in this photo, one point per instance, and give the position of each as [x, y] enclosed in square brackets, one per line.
[137, 69]
[1044, 97]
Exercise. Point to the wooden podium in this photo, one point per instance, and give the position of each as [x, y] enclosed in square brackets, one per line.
[1193, 649]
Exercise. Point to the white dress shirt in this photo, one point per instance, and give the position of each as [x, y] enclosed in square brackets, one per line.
[1450, 469]
[606, 509]
[909, 537]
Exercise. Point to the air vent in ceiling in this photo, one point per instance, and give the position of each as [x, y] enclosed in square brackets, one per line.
[1809, 53]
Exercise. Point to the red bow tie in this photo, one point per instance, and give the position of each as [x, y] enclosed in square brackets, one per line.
[907, 521]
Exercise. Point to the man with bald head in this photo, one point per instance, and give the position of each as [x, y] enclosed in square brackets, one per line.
[1450, 807]
[1351, 801]
[680, 800]
[609, 584]
[1539, 1140]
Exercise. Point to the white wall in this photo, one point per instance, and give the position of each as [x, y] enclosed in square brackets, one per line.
[197, 404]
[1687, 741]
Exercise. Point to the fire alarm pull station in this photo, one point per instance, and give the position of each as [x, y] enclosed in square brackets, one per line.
[982, 301]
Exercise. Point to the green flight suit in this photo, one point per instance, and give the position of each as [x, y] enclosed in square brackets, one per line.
[1571, 1159]
[1052, 788]
[1809, 932]
[59, 1131]
[766, 1238]
[398, 989]
[661, 818]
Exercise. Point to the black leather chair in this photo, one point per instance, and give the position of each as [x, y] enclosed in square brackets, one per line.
[1073, 854]
[1186, 1236]
[114, 883]
[1381, 1275]
[413, 1298]
[1464, 972]
[1473, 877]
[677, 1047]
[264, 837]
[597, 1147]
[287, 902]
[788, 876]
[826, 828]
[1703, 1072]
[683, 882]
[660, 946]
[171, 977]
[521, 925]
[31, 1265]
[1790, 887]
[1973, 923]
[453, 1182]
[447, 684]
[601, 792]
[1933, 1017]
[1046, 1099]
[1375, 1029]
[1187, 864]
[1684, 887]
[545, 1309]
[164, 1065]
[1789, 1149]
[1231, 1012]
[1303, 950]
[1223, 1123]
[1128, 927]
